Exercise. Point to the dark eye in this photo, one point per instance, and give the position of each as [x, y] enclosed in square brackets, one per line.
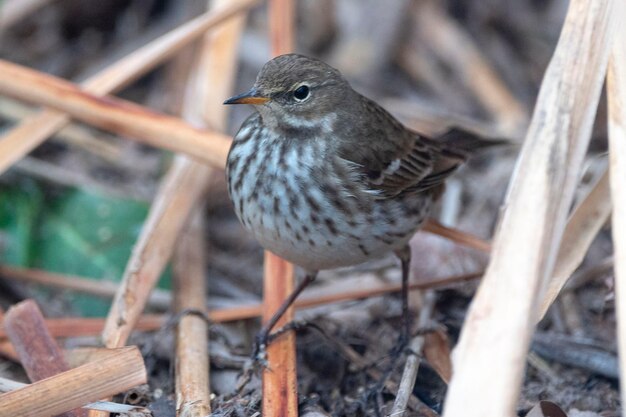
[301, 93]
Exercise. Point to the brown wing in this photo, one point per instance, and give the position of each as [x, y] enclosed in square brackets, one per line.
[395, 159]
[425, 165]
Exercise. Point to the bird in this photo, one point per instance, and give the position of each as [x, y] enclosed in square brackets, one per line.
[325, 177]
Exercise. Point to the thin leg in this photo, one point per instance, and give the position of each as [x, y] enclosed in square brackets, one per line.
[262, 336]
[405, 258]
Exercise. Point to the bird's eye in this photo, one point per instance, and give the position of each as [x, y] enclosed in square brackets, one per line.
[301, 93]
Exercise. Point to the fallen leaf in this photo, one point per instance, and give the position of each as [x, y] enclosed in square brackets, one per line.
[437, 353]
[546, 409]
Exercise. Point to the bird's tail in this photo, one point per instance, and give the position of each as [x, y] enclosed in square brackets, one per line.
[463, 143]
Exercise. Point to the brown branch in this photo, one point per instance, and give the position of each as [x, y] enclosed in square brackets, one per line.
[74, 327]
[34, 130]
[77, 387]
[192, 356]
[180, 191]
[457, 236]
[102, 288]
[212, 78]
[7, 385]
[116, 115]
[36, 349]
[280, 395]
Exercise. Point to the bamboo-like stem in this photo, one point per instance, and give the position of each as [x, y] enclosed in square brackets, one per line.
[75, 135]
[192, 356]
[85, 326]
[405, 388]
[73, 327]
[500, 320]
[456, 235]
[7, 385]
[34, 130]
[158, 298]
[211, 81]
[77, 387]
[280, 395]
[582, 227]
[116, 115]
[616, 93]
[180, 191]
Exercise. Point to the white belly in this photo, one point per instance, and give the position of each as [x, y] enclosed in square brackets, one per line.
[313, 226]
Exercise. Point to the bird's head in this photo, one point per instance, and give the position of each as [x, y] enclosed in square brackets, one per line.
[296, 92]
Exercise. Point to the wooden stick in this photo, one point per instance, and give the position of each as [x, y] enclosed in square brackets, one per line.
[616, 93]
[455, 235]
[280, 396]
[192, 356]
[179, 192]
[102, 288]
[75, 135]
[36, 349]
[212, 79]
[39, 353]
[86, 326]
[409, 374]
[74, 327]
[116, 115]
[77, 387]
[500, 320]
[33, 131]
[7, 385]
[582, 227]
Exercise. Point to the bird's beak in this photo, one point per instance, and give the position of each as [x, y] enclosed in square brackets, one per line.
[249, 97]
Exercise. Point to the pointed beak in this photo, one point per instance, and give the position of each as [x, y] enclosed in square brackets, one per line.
[249, 97]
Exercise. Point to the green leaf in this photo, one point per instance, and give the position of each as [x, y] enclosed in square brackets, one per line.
[89, 235]
[20, 209]
[76, 232]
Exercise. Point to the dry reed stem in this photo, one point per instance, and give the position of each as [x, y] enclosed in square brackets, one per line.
[34, 130]
[85, 326]
[456, 235]
[192, 356]
[116, 115]
[582, 227]
[616, 93]
[455, 46]
[210, 82]
[409, 374]
[38, 352]
[72, 134]
[500, 320]
[280, 397]
[7, 385]
[101, 288]
[75, 326]
[179, 192]
[77, 387]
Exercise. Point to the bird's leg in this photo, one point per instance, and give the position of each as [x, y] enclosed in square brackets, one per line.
[404, 255]
[262, 337]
